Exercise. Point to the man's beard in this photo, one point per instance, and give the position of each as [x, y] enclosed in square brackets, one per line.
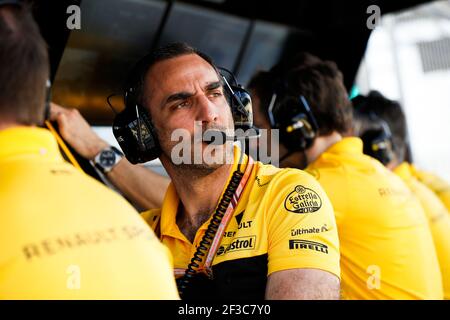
[204, 168]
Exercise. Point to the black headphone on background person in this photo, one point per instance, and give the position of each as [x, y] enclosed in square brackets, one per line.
[136, 135]
[378, 141]
[295, 120]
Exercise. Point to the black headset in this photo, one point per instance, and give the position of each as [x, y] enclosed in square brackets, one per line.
[134, 130]
[292, 115]
[378, 141]
[377, 138]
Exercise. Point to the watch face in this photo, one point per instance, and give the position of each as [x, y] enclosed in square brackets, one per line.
[107, 158]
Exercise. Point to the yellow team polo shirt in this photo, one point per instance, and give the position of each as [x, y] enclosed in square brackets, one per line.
[284, 220]
[438, 220]
[387, 251]
[435, 183]
[63, 235]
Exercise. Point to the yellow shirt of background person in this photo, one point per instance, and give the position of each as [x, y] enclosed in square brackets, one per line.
[65, 236]
[438, 219]
[387, 251]
[439, 186]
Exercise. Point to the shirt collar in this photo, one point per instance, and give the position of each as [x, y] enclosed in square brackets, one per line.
[404, 171]
[171, 202]
[350, 145]
[20, 141]
[169, 213]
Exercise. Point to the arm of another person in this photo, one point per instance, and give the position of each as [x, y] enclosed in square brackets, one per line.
[142, 186]
[303, 250]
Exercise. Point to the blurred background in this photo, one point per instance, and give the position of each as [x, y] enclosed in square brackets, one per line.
[408, 59]
[406, 56]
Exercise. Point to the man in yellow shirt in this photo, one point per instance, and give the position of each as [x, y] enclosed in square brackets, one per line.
[236, 228]
[386, 247]
[283, 224]
[62, 234]
[391, 116]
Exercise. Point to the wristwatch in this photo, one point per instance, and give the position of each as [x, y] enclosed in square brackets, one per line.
[107, 159]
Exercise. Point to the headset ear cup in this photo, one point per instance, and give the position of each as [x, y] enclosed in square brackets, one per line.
[136, 135]
[241, 108]
[378, 145]
[239, 101]
[297, 133]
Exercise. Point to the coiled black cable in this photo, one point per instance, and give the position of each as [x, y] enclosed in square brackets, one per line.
[210, 232]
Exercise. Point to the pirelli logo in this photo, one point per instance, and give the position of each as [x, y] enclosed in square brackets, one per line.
[296, 244]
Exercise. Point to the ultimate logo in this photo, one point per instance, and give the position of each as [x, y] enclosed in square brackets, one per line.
[302, 200]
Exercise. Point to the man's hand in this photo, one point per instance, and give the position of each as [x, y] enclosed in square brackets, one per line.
[76, 131]
[143, 187]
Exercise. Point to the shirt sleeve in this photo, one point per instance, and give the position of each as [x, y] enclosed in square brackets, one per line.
[301, 225]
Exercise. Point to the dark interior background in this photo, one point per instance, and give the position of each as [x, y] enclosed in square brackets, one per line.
[242, 35]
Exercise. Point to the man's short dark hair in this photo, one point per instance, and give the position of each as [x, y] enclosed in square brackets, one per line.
[24, 67]
[320, 82]
[137, 76]
[388, 110]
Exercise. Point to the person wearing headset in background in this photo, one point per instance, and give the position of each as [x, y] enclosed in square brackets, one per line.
[375, 116]
[256, 249]
[62, 234]
[386, 247]
[390, 111]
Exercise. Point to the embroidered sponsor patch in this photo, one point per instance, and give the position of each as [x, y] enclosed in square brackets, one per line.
[302, 200]
[296, 244]
[300, 231]
[238, 244]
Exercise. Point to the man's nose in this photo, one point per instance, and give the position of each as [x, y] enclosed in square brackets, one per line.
[207, 111]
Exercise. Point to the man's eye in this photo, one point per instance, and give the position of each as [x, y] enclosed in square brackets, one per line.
[216, 94]
[181, 105]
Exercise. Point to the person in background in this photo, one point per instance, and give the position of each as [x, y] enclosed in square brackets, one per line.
[387, 251]
[382, 125]
[391, 112]
[63, 235]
